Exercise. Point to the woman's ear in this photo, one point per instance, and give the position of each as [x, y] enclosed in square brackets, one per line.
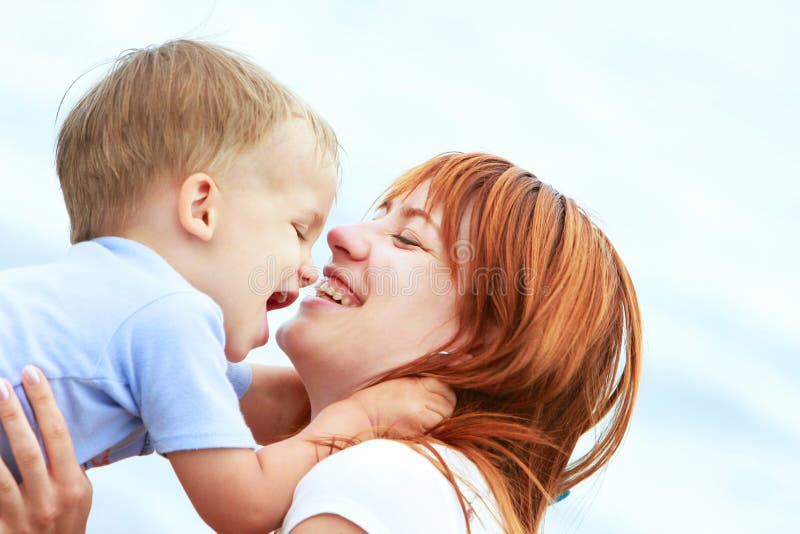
[454, 361]
[198, 205]
[464, 358]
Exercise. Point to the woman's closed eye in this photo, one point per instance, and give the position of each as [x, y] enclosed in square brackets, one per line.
[407, 239]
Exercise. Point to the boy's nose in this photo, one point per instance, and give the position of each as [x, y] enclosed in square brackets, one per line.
[348, 239]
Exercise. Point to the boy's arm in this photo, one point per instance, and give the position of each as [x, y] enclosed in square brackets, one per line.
[238, 490]
[276, 403]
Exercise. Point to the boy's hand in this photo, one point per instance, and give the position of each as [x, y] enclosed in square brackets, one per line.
[406, 407]
[261, 483]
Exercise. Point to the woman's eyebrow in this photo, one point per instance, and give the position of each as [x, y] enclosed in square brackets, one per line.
[409, 213]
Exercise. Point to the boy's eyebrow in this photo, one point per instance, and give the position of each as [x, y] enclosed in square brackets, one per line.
[317, 219]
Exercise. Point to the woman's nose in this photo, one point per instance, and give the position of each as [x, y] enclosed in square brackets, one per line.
[350, 241]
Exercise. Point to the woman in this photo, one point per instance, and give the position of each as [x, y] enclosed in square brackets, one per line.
[478, 274]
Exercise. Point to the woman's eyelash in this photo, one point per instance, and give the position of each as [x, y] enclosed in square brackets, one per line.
[406, 241]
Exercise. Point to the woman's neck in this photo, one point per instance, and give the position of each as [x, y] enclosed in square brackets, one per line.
[324, 386]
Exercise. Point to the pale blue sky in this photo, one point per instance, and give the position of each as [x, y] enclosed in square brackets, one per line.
[674, 122]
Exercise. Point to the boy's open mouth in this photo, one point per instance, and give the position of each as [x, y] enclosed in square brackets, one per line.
[281, 299]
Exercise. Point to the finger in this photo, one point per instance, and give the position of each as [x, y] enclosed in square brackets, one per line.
[429, 420]
[437, 387]
[80, 506]
[24, 445]
[11, 505]
[10, 497]
[439, 406]
[54, 430]
[422, 422]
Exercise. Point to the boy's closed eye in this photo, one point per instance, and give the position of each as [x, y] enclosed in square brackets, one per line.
[301, 230]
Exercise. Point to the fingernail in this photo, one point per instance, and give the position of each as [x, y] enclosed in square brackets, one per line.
[30, 375]
[4, 391]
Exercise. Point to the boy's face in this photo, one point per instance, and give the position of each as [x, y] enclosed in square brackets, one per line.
[275, 199]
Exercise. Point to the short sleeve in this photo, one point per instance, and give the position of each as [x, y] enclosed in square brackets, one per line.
[240, 375]
[383, 487]
[171, 354]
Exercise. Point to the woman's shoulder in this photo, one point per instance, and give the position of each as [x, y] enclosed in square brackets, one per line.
[388, 486]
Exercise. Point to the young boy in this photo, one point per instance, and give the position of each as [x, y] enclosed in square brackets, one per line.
[195, 186]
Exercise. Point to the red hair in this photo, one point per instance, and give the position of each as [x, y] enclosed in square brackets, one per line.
[547, 312]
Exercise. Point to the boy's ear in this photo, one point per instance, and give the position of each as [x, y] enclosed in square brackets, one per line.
[198, 205]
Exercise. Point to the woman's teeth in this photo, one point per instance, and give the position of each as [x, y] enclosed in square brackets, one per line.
[324, 289]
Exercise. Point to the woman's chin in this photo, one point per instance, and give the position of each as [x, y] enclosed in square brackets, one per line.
[281, 333]
[314, 316]
[296, 336]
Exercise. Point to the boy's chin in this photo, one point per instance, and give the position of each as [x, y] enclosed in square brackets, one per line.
[235, 354]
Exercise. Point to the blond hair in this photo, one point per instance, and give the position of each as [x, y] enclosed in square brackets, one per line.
[161, 114]
[554, 339]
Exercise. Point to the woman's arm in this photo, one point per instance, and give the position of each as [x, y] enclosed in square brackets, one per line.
[276, 404]
[54, 498]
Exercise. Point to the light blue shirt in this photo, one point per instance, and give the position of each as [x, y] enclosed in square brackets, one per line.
[134, 353]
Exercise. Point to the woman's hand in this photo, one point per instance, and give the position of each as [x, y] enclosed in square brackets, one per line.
[51, 498]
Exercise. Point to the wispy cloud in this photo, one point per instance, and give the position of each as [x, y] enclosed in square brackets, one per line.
[675, 122]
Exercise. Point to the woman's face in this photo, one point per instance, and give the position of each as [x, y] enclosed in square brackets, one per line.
[385, 299]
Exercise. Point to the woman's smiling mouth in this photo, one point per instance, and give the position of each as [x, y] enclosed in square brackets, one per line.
[327, 289]
[334, 287]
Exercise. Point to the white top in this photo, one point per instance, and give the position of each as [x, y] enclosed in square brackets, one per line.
[386, 487]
